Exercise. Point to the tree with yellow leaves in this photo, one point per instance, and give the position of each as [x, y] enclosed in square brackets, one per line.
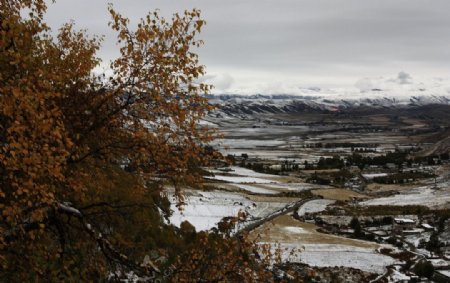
[84, 159]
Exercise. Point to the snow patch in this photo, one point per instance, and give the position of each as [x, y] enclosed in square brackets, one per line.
[240, 180]
[418, 196]
[295, 230]
[314, 206]
[256, 190]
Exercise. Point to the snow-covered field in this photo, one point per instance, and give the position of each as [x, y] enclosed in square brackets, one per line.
[300, 242]
[374, 175]
[207, 123]
[248, 172]
[240, 179]
[254, 189]
[330, 255]
[246, 143]
[261, 183]
[239, 175]
[242, 129]
[426, 195]
[313, 206]
[205, 209]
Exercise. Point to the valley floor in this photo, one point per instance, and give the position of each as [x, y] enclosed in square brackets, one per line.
[308, 213]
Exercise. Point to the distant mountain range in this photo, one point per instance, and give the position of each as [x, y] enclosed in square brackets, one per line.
[229, 104]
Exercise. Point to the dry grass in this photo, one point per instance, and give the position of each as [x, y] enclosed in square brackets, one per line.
[415, 123]
[380, 120]
[258, 198]
[338, 194]
[378, 188]
[276, 231]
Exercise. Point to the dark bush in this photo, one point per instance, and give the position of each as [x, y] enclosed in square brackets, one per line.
[424, 268]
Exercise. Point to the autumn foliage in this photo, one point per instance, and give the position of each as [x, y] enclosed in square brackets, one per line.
[76, 148]
[85, 158]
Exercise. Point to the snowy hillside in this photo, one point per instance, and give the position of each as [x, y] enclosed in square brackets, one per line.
[230, 104]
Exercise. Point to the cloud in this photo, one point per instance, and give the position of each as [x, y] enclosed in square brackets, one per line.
[404, 78]
[364, 84]
[221, 82]
[382, 83]
[328, 43]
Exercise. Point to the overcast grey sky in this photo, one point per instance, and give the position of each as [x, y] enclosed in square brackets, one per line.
[278, 45]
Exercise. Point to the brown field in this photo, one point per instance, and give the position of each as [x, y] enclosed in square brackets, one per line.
[378, 188]
[338, 194]
[276, 231]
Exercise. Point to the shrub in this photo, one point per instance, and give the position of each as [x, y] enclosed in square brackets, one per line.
[424, 268]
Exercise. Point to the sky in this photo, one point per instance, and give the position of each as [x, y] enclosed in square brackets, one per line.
[287, 46]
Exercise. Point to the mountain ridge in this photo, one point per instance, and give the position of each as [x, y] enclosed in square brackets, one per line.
[236, 104]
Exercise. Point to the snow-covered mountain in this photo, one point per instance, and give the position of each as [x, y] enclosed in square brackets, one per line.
[232, 105]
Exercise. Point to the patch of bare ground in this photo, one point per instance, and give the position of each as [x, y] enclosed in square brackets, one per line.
[223, 186]
[321, 171]
[443, 170]
[286, 229]
[381, 120]
[338, 194]
[265, 198]
[414, 123]
[380, 188]
[284, 179]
